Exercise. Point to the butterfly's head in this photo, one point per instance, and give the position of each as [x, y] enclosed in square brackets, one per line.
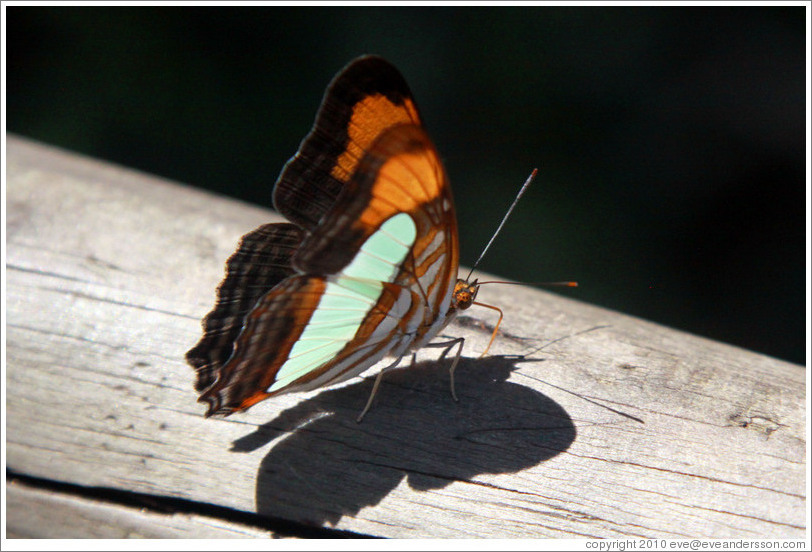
[464, 293]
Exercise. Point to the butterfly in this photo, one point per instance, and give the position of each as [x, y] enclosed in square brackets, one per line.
[366, 267]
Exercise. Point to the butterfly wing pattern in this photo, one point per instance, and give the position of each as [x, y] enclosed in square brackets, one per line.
[366, 268]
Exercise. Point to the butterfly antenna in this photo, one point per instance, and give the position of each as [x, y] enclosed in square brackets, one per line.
[504, 219]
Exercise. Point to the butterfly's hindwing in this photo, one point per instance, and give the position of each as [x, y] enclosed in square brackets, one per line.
[262, 260]
[304, 328]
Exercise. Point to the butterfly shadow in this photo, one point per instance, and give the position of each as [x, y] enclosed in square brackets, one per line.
[326, 465]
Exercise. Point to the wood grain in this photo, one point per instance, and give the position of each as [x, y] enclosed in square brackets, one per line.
[616, 428]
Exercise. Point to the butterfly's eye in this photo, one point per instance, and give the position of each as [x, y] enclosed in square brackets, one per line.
[465, 293]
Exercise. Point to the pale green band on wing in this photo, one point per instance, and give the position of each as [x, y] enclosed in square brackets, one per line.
[348, 298]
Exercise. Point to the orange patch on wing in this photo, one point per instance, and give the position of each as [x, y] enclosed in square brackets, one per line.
[370, 117]
[405, 183]
[253, 399]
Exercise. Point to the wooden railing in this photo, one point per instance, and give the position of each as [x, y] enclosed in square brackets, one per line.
[583, 422]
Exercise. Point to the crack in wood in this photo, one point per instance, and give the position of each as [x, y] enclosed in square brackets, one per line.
[173, 505]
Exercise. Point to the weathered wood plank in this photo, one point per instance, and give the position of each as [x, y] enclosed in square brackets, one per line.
[38, 513]
[630, 429]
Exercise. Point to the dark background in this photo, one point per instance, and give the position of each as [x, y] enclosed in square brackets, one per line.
[670, 140]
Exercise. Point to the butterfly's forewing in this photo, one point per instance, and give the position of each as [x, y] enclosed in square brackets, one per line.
[365, 98]
[401, 173]
[369, 267]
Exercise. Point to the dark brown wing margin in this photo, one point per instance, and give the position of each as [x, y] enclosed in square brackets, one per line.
[309, 183]
[262, 260]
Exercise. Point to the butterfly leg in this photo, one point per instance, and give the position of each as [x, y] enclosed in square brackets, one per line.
[448, 346]
[375, 385]
[495, 329]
